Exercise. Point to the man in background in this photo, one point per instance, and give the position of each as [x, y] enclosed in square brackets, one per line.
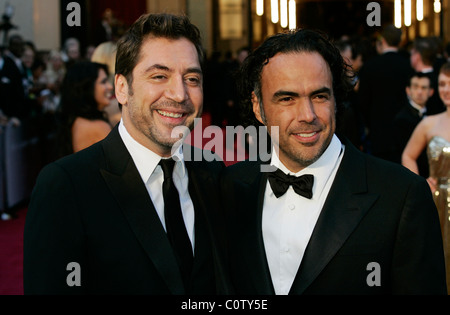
[418, 91]
[423, 57]
[382, 84]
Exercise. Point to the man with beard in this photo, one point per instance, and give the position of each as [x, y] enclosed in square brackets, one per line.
[327, 219]
[133, 214]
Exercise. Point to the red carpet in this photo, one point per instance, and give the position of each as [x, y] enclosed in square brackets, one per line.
[11, 255]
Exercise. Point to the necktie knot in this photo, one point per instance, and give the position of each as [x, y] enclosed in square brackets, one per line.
[167, 166]
[280, 182]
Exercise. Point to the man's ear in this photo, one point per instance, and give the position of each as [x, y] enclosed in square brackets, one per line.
[430, 93]
[121, 88]
[257, 108]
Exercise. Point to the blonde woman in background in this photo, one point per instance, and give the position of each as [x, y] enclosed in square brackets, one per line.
[105, 53]
[433, 133]
[52, 78]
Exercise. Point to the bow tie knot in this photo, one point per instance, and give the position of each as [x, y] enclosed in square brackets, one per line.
[280, 182]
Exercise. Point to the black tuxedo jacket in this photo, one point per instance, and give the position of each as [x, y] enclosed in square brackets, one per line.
[12, 90]
[405, 122]
[381, 93]
[376, 212]
[93, 208]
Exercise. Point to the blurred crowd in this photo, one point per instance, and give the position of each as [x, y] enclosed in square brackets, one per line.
[32, 81]
[43, 93]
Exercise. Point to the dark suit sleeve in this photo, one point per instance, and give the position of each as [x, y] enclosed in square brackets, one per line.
[53, 236]
[418, 262]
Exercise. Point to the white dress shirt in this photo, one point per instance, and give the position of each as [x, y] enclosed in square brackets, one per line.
[421, 110]
[147, 164]
[288, 221]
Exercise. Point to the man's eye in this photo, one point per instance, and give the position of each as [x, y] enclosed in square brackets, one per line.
[321, 97]
[193, 80]
[158, 77]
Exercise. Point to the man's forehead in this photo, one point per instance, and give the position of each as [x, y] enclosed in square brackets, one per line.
[298, 63]
[167, 53]
[299, 55]
[421, 80]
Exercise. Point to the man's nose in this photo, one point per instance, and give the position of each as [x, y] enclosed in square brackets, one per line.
[177, 90]
[305, 111]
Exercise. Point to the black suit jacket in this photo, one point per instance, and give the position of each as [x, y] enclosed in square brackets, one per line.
[381, 93]
[92, 208]
[12, 91]
[405, 122]
[376, 211]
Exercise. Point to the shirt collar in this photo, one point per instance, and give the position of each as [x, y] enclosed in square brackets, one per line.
[16, 60]
[421, 110]
[146, 160]
[321, 169]
[427, 70]
[390, 49]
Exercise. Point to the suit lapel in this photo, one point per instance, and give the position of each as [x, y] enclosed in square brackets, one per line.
[253, 188]
[345, 206]
[197, 180]
[126, 185]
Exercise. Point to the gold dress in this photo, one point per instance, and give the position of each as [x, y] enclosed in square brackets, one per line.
[439, 159]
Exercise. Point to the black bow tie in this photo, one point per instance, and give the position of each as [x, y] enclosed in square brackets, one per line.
[280, 182]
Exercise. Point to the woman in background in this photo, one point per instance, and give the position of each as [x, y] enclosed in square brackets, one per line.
[433, 133]
[85, 93]
[106, 53]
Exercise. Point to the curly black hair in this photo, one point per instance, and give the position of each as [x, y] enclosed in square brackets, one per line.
[302, 40]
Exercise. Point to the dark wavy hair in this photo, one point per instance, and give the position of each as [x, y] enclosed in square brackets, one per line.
[249, 76]
[78, 100]
[445, 69]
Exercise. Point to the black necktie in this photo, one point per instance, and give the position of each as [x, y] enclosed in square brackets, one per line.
[280, 182]
[175, 227]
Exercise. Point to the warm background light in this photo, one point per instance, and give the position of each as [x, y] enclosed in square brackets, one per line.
[407, 8]
[259, 7]
[419, 10]
[437, 6]
[292, 14]
[283, 13]
[398, 13]
[274, 11]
